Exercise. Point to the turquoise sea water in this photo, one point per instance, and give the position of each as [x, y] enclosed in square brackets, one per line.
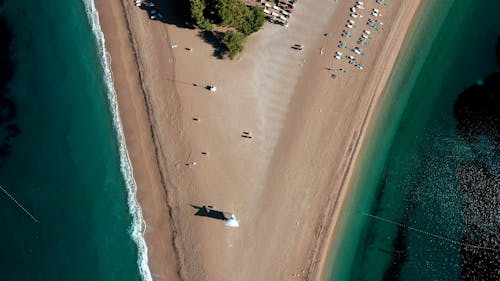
[64, 165]
[409, 172]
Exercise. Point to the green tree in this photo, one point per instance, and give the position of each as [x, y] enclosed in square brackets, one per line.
[234, 42]
[197, 9]
[230, 12]
[235, 14]
[258, 18]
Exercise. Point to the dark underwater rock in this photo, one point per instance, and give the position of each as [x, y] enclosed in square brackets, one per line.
[477, 111]
[8, 128]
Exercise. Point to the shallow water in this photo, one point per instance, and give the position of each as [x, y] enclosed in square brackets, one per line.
[409, 178]
[64, 164]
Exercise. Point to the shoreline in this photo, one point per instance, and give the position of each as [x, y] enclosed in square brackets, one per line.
[373, 119]
[134, 100]
[175, 221]
[387, 143]
[138, 224]
[393, 106]
[326, 250]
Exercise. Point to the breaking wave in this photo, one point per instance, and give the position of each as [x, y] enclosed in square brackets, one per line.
[138, 225]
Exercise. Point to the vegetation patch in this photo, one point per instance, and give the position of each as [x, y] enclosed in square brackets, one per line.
[232, 17]
[234, 41]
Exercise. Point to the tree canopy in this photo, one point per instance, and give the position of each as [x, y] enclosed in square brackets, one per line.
[197, 10]
[234, 13]
[234, 42]
[228, 13]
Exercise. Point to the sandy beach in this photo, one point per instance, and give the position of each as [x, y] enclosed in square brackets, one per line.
[287, 183]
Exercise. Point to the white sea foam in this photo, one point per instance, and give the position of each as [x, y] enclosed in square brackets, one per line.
[138, 224]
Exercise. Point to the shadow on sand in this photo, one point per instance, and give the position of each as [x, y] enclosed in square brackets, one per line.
[176, 12]
[173, 12]
[214, 38]
[210, 212]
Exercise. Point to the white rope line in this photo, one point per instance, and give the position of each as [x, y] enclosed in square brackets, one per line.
[19, 205]
[431, 234]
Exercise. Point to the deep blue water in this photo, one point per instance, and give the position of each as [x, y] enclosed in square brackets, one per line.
[59, 154]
